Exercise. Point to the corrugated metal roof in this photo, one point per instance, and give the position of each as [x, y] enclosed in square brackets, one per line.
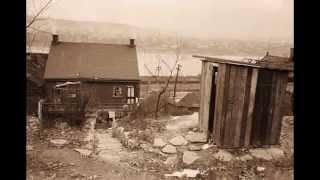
[69, 60]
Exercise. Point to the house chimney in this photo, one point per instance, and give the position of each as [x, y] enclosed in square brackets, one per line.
[55, 39]
[132, 43]
[291, 54]
[267, 54]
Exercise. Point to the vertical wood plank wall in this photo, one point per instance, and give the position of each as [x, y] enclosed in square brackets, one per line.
[234, 93]
[267, 114]
[205, 92]
[247, 105]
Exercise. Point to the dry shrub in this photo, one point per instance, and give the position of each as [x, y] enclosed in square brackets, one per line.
[148, 106]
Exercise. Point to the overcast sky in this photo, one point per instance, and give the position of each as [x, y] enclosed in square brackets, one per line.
[251, 19]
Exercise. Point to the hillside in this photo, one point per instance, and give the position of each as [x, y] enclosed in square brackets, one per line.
[150, 40]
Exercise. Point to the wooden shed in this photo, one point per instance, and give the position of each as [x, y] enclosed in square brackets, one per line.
[240, 101]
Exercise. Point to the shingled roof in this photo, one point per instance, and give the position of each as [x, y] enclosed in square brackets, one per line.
[71, 60]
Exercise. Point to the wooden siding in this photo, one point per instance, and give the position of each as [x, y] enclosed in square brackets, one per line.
[267, 114]
[232, 104]
[247, 105]
[100, 93]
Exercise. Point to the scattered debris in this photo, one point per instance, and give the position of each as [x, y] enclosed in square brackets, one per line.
[52, 177]
[189, 157]
[206, 146]
[84, 152]
[72, 164]
[223, 155]
[169, 149]
[192, 147]
[77, 175]
[133, 144]
[260, 169]
[158, 142]
[58, 142]
[178, 141]
[55, 165]
[196, 137]
[261, 154]
[185, 173]
[62, 126]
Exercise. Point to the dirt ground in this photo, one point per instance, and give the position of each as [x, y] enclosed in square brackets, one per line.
[110, 160]
[151, 159]
[45, 161]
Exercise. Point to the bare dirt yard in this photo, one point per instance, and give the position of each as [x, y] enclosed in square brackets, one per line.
[144, 149]
[72, 153]
[179, 150]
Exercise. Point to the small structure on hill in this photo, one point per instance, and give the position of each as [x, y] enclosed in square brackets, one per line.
[240, 102]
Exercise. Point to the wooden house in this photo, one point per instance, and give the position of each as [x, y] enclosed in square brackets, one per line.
[240, 101]
[108, 72]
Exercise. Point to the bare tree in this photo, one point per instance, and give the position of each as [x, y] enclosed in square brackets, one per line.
[32, 30]
[171, 69]
[37, 14]
[163, 90]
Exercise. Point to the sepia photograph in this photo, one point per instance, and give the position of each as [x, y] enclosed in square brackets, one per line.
[159, 89]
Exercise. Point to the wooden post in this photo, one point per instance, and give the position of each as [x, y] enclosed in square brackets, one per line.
[175, 82]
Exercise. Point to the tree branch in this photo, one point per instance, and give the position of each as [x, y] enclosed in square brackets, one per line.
[38, 14]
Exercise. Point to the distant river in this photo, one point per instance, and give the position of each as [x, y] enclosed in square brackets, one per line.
[190, 65]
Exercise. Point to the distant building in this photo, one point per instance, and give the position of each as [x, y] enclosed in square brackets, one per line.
[35, 66]
[108, 72]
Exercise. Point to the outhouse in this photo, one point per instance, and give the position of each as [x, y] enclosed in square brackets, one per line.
[240, 104]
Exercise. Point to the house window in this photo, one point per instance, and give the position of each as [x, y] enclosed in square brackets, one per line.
[116, 92]
[130, 95]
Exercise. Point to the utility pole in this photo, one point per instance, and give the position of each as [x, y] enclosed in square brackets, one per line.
[158, 68]
[175, 82]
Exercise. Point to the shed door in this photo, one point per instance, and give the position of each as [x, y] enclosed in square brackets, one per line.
[212, 99]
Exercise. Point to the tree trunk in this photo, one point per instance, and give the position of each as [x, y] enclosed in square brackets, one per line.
[158, 104]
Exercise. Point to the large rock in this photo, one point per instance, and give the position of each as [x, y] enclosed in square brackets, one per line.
[246, 157]
[189, 157]
[58, 142]
[185, 173]
[206, 146]
[223, 155]
[192, 147]
[178, 141]
[158, 142]
[261, 154]
[171, 161]
[196, 137]
[276, 153]
[169, 149]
